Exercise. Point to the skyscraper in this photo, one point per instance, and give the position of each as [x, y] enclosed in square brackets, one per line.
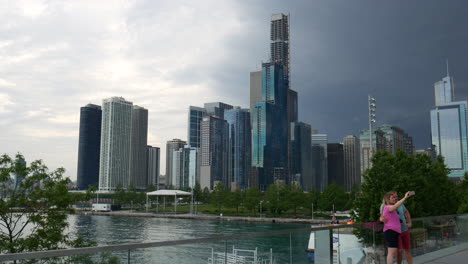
[335, 162]
[270, 128]
[138, 165]
[279, 41]
[352, 162]
[301, 153]
[171, 146]
[89, 146]
[255, 89]
[195, 117]
[239, 148]
[114, 169]
[394, 138]
[184, 168]
[378, 141]
[449, 129]
[214, 152]
[154, 156]
[319, 161]
[216, 109]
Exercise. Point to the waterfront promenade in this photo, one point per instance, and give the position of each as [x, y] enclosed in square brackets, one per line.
[455, 254]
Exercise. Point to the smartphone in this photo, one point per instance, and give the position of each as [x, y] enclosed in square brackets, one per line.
[412, 193]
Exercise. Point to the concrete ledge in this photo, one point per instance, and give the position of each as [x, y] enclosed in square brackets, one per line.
[441, 256]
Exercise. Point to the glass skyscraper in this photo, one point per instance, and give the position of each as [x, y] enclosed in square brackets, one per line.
[319, 161]
[154, 156]
[352, 162]
[301, 153]
[239, 147]
[138, 164]
[449, 121]
[184, 166]
[171, 147]
[89, 146]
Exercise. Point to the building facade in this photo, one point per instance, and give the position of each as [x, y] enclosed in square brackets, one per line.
[378, 143]
[335, 162]
[239, 148]
[171, 147]
[319, 161]
[214, 152]
[89, 146]
[195, 117]
[116, 130]
[139, 152]
[301, 153]
[185, 167]
[352, 162]
[154, 157]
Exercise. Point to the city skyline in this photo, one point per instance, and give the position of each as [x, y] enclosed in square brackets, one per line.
[45, 78]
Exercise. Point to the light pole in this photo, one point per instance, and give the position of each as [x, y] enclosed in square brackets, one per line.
[372, 108]
[312, 211]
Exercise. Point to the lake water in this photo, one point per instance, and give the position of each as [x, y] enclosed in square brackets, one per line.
[112, 230]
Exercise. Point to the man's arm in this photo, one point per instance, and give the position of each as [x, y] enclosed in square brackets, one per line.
[409, 223]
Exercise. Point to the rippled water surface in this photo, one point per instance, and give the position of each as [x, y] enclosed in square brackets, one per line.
[111, 230]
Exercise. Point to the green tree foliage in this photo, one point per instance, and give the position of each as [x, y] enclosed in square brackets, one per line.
[462, 190]
[252, 199]
[235, 199]
[33, 206]
[333, 195]
[435, 193]
[277, 198]
[296, 197]
[219, 196]
[313, 197]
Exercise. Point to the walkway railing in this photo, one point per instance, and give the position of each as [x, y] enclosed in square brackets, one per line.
[329, 244]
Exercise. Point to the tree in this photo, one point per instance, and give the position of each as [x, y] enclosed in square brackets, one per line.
[33, 207]
[276, 196]
[333, 195]
[313, 197]
[235, 199]
[296, 197]
[462, 190]
[402, 172]
[252, 199]
[219, 196]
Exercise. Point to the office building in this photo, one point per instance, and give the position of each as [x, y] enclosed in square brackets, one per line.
[154, 157]
[408, 145]
[171, 147]
[394, 138]
[195, 117]
[214, 152]
[378, 143]
[319, 161]
[335, 163]
[255, 89]
[89, 146]
[139, 152]
[239, 148]
[301, 153]
[116, 130]
[352, 162]
[216, 109]
[185, 170]
[279, 41]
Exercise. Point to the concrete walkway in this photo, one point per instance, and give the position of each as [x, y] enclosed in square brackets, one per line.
[456, 254]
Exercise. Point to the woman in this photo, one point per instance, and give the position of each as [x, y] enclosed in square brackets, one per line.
[392, 227]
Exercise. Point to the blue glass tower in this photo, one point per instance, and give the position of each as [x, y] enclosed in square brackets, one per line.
[449, 121]
[239, 154]
[301, 153]
[89, 146]
[270, 128]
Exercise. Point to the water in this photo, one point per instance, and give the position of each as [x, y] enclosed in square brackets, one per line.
[112, 230]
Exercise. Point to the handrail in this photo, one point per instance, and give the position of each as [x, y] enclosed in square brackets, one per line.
[130, 246]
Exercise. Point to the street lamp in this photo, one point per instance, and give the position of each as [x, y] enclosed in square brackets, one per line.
[312, 211]
[372, 109]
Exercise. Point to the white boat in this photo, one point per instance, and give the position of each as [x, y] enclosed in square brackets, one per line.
[241, 256]
[346, 247]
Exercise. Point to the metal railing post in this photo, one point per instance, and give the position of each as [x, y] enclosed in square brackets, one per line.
[128, 257]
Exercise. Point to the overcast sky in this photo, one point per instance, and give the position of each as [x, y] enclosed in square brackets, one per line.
[57, 56]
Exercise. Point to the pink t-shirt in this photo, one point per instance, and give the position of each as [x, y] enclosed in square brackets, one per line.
[393, 222]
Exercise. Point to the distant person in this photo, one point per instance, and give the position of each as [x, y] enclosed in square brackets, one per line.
[392, 226]
[334, 221]
[404, 240]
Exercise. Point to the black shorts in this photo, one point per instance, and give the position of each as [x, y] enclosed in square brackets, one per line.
[391, 237]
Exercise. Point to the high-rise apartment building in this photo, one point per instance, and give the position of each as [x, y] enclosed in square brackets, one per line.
[449, 120]
[214, 152]
[239, 148]
[408, 145]
[139, 152]
[185, 170]
[195, 117]
[352, 162]
[216, 109]
[171, 147]
[394, 138]
[319, 161]
[116, 130]
[301, 153]
[89, 146]
[154, 157]
[335, 163]
[378, 143]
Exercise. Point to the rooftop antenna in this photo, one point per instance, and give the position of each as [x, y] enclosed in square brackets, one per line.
[447, 68]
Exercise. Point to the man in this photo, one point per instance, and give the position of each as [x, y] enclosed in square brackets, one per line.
[404, 240]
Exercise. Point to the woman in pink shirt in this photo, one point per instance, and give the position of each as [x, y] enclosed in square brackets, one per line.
[392, 227]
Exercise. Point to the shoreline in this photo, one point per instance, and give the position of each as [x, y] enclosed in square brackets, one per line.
[207, 217]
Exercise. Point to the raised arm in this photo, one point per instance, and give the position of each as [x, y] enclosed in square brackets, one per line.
[399, 203]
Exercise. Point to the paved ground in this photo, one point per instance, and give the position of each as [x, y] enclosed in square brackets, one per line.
[457, 254]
